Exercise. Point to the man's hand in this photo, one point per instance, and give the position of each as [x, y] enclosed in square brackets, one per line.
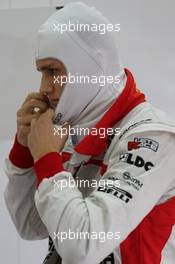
[25, 115]
[42, 139]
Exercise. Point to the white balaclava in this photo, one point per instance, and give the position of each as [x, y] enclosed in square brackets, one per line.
[84, 53]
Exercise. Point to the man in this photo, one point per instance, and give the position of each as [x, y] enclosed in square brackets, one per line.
[133, 203]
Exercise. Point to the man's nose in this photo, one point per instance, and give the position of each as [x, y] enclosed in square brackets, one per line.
[45, 86]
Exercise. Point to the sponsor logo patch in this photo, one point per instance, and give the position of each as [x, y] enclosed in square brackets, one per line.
[138, 161]
[135, 183]
[117, 192]
[143, 143]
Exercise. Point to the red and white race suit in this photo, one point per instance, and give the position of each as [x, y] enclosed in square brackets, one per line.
[127, 208]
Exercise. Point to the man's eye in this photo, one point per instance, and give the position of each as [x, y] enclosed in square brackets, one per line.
[51, 71]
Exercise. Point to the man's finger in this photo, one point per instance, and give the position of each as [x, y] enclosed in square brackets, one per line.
[33, 122]
[34, 95]
[28, 107]
[49, 113]
[24, 129]
[26, 120]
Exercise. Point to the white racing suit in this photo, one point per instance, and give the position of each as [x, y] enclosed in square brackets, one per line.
[127, 220]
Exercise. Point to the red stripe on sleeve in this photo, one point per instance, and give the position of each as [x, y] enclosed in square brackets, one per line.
[48, 166]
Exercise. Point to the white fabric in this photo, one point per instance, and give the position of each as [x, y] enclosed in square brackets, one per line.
[89, 210]
[84, 53]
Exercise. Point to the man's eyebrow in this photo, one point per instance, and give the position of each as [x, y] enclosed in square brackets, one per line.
[45, 67]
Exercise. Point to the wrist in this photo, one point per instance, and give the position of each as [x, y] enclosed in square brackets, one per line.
[20, 155]
[48, 166]
[43, 153]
